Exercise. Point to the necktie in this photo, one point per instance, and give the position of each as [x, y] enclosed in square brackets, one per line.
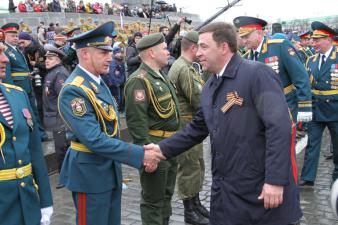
[322, 63]
[256, 55]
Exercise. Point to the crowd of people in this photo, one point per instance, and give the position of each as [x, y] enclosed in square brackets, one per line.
[174, 87]
[71, 6]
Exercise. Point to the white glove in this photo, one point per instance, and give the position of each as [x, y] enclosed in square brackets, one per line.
[304, 116]
[46, 214]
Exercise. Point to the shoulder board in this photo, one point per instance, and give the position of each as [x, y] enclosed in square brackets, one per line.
[78, 80]
[12, 86]
[142, 74]
[275, 41]
[5, 47]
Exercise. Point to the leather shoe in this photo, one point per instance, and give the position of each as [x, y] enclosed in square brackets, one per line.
[305, 183]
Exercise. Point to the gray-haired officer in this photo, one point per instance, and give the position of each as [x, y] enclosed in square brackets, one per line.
[92, 166]
[323, 71]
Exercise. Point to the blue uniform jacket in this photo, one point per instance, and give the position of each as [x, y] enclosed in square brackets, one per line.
[250, 145]
[324, 87]
[20, 202]
[16, 68]
[100, 171]
[281, 56]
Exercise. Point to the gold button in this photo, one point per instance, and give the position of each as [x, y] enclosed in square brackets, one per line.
[20, 173]
[20, 161]
[14, 138]
[327, 100]
[327, 82]
[22, 184]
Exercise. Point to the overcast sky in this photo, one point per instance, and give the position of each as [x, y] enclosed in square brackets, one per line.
[270, 10]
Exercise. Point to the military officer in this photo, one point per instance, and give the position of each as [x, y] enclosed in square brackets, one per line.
[26, 198]
[17, 71]
[323, 71]
[281, 56]
[152, 115]
[91, 169]
[305, 42]
[190, 171]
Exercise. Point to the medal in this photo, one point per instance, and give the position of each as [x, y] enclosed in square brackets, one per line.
[28, 117]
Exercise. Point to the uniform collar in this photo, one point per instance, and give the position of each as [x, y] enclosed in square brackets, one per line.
[97, 79]
[327, 53]
[12, 46]
[259, 48]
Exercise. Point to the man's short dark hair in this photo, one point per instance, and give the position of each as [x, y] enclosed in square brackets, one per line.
[222, 32]
[162, 27]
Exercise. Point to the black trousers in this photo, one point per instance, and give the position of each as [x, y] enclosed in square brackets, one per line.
[61, 146]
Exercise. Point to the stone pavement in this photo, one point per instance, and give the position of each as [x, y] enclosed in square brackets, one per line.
[315, 202]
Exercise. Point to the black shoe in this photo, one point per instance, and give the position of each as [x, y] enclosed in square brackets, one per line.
[328, 156]
[305, 183]
[59, 186]
[191, 215]
[200, 208]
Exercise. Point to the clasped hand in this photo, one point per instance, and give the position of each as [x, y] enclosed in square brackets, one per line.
[152, 156]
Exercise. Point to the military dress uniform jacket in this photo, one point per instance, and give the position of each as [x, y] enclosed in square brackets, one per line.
[147, 95]
[22, 196]
[250, 144]
[92, 163]
[281, 56]
[17, 70]
[324, 84]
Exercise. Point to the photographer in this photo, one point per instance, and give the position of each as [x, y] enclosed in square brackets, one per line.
[34, 54]
[56, 76]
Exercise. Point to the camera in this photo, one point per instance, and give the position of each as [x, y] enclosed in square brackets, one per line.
[36, 76]
[187, 20]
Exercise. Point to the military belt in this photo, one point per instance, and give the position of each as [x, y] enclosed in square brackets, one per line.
[20, 74]
[161, 133]
[289, 89]
[16, 173]
[79, 147]
[330, 92]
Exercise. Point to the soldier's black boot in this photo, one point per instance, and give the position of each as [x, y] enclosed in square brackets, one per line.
[201, 209]
[191, 215]
[166, 221]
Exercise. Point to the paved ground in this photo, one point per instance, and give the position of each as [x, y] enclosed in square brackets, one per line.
[314, 202]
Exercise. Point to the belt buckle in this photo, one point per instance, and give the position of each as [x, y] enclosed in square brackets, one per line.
[19, 173]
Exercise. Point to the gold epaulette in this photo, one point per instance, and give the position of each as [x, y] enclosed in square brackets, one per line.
[77, 81]
[12, 86]
[275, 41]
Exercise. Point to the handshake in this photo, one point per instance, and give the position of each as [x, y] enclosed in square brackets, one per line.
[152, 156]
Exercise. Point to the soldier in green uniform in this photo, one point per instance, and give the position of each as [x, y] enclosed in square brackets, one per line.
[17, 71]
[152, 115]
[190, 171]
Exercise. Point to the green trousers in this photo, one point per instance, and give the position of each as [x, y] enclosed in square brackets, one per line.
[157, 190]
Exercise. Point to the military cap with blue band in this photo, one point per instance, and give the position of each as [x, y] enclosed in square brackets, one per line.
[247, 24]
[100, 37]
[305, 35]
[320, 30]
[150, 41]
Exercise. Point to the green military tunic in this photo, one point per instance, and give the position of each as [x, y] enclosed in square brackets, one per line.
[152, 115]
[188, 84]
